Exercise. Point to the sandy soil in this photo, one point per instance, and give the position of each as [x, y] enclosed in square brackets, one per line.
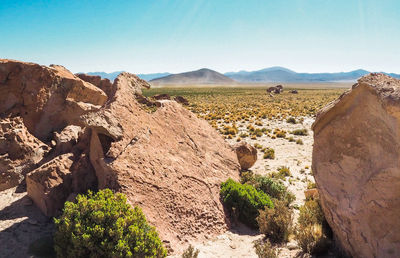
[21, 223]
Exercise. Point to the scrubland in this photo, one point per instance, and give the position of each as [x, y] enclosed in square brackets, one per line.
[279, 127]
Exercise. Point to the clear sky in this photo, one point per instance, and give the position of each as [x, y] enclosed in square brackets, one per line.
[175, 36]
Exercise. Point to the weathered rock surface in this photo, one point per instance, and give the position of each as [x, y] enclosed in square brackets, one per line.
[356, 166]
[246, 155]
[47, 98]
[162, 162]
[50, 184]
[19, 152]
[181, 100]
[169, 162]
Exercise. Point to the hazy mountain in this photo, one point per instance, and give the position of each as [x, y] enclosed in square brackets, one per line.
[113, 75]
[151, 76]
[281, 74]
[202, 76]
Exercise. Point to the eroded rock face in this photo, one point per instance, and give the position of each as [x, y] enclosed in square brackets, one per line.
[162, 162]
[47, 98]
[50, 184]
[19, 152]
[356, 166]
[246, 155]
[167, 161]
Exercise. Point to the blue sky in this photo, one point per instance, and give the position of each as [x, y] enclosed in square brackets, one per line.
[175, 36]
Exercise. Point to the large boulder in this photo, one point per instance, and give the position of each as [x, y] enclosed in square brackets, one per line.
[246, 155]
[356, 166]
[162, 161]
[47, 98]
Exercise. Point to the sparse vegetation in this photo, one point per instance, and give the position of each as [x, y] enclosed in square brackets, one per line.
[276, 223]
[244, 200]
[291, 120]
[190, 252]
[312, 231]
[269, 153]
[265, 249]
[301, 132]
[103, 224]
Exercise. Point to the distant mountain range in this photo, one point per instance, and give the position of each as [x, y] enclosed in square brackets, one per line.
[202, 76]
[272, 74]
[281, 74]
[113, 75]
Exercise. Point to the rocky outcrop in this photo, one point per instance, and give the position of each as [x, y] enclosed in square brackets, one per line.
[104, 84]
[46, 98]
[50, 184]
[356, 166]
[161, 162]
[276, 89]
[85, 133]
[19, 152]
[246, 155]
[181, 100]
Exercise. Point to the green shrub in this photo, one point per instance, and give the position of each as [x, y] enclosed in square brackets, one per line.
[299, 141]
[265, 249]
[103, 224]
[190, 252]
[300, 132]
[268, 185]
[276, 223]
[245, 200]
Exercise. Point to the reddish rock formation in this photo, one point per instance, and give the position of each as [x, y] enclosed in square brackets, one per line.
[181, 100]
[19, 152]
[104, 84]
[162, 97]
[246, 154]
[160, 160]
[47, 98]
[356, 166]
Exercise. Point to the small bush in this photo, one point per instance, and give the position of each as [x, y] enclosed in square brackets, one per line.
[105, 225]
[300, 132]
[291, 120]
[299, 141]
[282, 173]
[190, 252]
[312, 231]
[311, 213]
[312, 240]
[269, 153]
[276, 223]
[245, 200]
[265, 249]
[269, 186]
